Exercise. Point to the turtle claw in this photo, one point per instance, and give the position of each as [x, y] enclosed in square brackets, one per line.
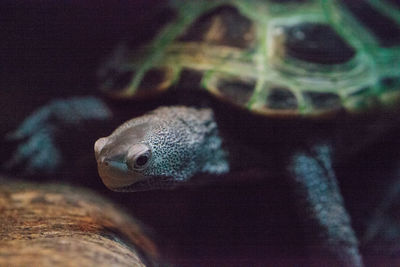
[36, 143]
[30, 125]
[35, 151]
[36, 154]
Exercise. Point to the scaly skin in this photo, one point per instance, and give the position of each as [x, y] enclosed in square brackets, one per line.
[182, 142]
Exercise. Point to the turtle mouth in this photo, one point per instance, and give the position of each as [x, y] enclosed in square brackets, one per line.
[117, 177]
[150, 183]
[115, 174]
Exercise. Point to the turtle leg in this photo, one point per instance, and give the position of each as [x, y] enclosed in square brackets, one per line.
[38, 140]
[328, 231]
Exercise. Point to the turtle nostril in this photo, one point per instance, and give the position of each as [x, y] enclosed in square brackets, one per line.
[99, 144]
[103, 161]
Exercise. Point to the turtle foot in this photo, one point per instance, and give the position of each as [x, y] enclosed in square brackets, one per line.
[321, 205]
[36, 145]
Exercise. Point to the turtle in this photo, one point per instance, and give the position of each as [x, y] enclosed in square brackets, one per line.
[303, 65]
[295, 87]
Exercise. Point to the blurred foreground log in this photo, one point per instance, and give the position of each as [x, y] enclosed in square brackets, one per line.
[57, 225]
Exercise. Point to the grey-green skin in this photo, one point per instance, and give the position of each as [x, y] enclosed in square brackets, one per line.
[178, 142]
[181, 142]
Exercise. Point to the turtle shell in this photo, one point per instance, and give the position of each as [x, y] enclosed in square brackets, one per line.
[289, 58]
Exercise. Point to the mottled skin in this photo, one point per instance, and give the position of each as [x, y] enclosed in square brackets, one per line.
[177, 143]
[321, 201]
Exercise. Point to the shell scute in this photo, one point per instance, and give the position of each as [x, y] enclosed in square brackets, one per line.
[281, 98]
[317, 43]
[321, 101]
[385, 29]
[224, 26]
[232, 89]
[289, 58]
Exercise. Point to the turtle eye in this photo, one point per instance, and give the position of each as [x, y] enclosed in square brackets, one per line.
[138, 157]
[141, 161]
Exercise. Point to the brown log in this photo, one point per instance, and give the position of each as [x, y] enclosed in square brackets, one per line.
[58, 225]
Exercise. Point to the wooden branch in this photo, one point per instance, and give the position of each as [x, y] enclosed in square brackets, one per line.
[58, 225]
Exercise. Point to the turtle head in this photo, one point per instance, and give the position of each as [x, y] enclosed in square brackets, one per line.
[160, 150]
[123, 157]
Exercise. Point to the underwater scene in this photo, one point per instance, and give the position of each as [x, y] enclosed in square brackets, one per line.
[200, 133]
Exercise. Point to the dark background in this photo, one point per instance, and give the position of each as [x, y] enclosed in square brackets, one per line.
[52, 49]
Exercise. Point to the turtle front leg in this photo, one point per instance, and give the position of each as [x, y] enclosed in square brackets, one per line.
[36, 146]
[328, 227]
